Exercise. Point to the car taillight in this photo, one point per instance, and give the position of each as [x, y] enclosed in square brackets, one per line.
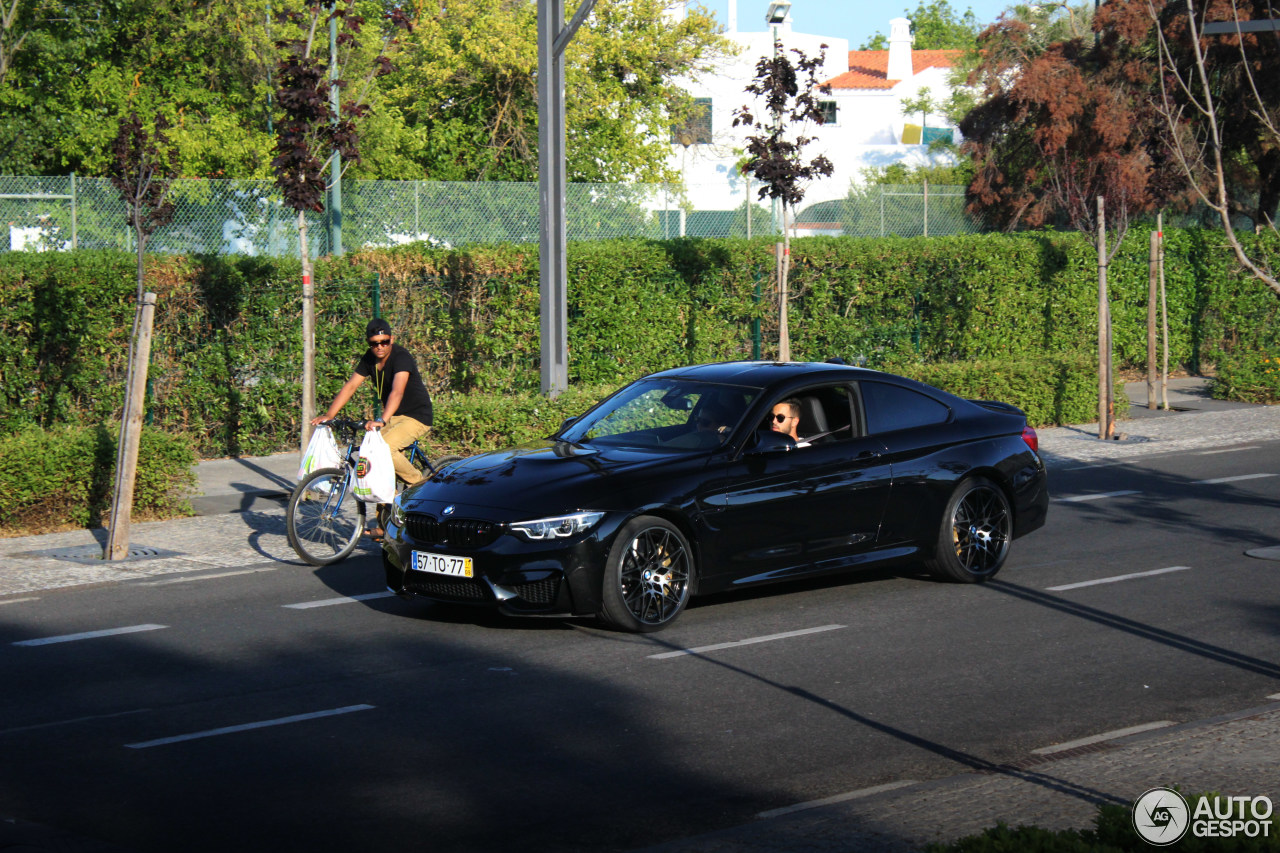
[1030, 437]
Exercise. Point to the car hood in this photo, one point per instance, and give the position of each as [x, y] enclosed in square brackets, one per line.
[544, 478]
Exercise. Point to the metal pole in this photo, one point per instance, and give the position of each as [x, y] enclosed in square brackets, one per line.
[553, 273]
[553, 37]
[335, 97]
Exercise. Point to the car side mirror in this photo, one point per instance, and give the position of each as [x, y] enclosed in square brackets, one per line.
[566, 423]
[771, 441]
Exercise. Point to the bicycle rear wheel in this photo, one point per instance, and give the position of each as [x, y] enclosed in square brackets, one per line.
[443, 461]
[325, 520]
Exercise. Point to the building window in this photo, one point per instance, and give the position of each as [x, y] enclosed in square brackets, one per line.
[829, 111]
[697, 129]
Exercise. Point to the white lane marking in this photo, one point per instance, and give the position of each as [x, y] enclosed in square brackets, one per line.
[307, 605]
[297, 718]
[1274, 696]
[89, 635]
[1227, 450]
[1105, 736]
[1230, 479]
[1097, 496]
[750, 641]
[1117, 578]
[838, 798]
[73, 722]
[16, 600]
[205, 577]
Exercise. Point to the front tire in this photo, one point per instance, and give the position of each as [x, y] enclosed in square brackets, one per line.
[325, 520]
[649, 576]
[973, 539]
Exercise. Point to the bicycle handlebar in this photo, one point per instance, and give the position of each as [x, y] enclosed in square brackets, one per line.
[347, 427]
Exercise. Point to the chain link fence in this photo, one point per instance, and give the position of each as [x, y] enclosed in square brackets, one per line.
[250, 218]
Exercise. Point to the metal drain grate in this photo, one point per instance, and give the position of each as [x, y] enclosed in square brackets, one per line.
[92, 554]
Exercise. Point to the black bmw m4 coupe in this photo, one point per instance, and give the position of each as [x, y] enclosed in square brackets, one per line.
[678, 484]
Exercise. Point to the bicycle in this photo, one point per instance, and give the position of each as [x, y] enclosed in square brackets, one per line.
[324, 520]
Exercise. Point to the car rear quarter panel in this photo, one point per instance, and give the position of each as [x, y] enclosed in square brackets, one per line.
[928, 465]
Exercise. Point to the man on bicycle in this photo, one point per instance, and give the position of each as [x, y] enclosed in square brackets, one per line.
[406, 405]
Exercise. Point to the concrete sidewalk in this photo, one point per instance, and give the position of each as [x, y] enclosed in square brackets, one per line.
[241, 523]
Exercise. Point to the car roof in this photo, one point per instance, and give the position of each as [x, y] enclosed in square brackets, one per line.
[761, 374]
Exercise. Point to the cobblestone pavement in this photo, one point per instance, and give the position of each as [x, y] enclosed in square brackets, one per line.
[224, 541]
[1187, 431]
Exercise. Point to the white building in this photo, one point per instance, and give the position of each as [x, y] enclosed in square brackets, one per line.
[866, 123]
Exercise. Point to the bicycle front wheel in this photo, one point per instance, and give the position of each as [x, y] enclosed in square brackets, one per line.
[325, 520]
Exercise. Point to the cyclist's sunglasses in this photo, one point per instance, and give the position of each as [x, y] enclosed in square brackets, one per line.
[380, 342]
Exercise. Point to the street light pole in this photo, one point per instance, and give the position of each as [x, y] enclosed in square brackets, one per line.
[553, 37]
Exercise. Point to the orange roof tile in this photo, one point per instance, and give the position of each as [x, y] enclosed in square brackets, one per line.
[868, 69]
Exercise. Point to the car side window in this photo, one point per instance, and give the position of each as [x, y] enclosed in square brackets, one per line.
[827, 414]
[890, 407]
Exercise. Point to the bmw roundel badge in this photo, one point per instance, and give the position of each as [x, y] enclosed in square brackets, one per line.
[449, 509]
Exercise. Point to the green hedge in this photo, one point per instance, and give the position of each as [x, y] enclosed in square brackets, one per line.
[66, 475]
[226, 359]
[1051, 390]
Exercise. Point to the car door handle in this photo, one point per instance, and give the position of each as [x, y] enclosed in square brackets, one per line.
[868, 455]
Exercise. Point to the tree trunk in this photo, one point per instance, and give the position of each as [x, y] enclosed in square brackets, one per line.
[1152, 298]
[1164, 322]
[784, 267]
[1106, 405]
[308, 336]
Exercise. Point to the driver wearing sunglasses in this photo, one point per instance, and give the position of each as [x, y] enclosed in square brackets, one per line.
[785, 419]
[405, 402]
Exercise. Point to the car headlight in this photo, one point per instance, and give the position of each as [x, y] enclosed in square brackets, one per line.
[397, 512]
[557, 527]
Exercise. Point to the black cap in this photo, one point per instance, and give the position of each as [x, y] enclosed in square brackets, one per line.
[377, 326]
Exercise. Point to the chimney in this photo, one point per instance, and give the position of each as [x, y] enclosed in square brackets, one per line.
[900, 67]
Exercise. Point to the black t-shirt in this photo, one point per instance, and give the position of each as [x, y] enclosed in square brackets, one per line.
[416, 402]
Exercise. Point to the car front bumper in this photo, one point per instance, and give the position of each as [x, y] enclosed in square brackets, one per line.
[557, 577]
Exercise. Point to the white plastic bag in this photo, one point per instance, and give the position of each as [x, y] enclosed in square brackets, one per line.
[322, 452]
[375, 474]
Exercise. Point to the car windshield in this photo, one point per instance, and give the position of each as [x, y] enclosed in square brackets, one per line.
[664, 413]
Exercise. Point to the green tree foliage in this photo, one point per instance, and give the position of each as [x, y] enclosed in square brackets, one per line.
[466, 96]
[935, 26]
[462, 106]
[200, 65]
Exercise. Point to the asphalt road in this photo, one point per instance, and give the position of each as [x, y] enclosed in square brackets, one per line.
[283, 708]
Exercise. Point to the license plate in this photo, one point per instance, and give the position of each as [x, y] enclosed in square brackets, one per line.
[443, 564]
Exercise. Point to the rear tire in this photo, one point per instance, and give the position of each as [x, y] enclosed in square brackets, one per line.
[649, 576]
[973, 538]
[325, 520]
